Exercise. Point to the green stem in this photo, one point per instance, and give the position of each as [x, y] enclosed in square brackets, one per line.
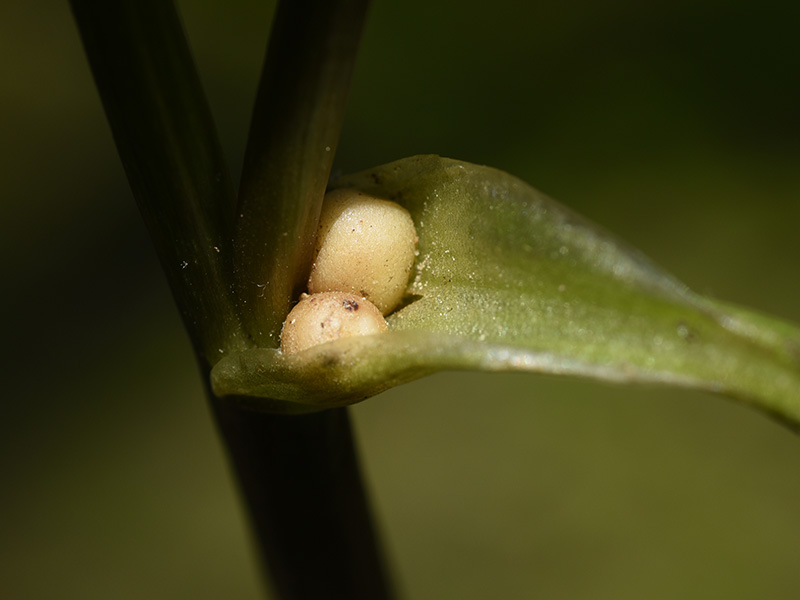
[166, 139]
[296, 123]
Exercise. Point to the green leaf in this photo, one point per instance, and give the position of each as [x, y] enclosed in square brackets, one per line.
[508, 279]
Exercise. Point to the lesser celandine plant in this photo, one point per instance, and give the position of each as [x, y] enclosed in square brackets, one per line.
[504, 278]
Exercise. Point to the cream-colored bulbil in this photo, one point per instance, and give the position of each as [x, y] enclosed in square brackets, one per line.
[328, 316]
[365, 246]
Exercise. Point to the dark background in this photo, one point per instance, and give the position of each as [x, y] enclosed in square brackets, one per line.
[674, 124]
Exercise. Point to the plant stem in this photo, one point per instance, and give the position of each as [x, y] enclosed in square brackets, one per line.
[295, 129]
[299, 475]
[166, 139]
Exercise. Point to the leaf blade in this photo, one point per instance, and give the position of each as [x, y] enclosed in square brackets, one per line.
[508, 279]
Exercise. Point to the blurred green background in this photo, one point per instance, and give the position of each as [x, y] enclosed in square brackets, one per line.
[675, 124]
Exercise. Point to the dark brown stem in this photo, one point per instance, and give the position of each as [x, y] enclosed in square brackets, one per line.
[168, 144]
[300, 478]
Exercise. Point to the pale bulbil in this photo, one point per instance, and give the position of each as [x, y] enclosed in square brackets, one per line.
[328, 316]
[366, 246]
